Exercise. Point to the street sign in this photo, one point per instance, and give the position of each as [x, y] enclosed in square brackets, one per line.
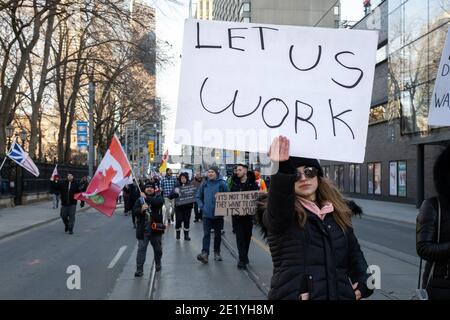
[82, 135]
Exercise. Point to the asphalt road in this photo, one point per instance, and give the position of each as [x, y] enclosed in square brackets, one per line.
[34, 264]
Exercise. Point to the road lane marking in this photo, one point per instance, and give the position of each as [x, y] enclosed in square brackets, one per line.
[117, 257]
[261, 245]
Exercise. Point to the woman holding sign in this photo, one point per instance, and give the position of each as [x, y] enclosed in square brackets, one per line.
[182, 211]
[315, 253]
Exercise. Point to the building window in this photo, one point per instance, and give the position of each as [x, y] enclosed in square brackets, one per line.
[336, 10]
[397, 178]
[382, 54]
[355, 178]
[339, 177]
[377, 114]
[326, 171]
[247, 20]
[374, 178]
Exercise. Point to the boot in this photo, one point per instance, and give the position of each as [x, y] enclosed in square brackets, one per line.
[186, 236]
[203, 257]
[178, 234]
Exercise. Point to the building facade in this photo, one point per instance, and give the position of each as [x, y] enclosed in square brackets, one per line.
[401, 147]
[319, 13]
[204, 10]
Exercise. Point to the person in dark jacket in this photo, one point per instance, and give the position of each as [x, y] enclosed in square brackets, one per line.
[315, 253]
[183, 211]
[207, 203]
[244, 180]
[67, 190]
[84, 182]
[54, 191]
[133, 195]
[197, 182]
[148, 211]
[436, 277]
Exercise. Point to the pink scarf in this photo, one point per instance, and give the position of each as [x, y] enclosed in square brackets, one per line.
[320, 212]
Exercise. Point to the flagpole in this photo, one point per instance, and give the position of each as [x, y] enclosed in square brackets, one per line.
[6, 155]
[1, 166]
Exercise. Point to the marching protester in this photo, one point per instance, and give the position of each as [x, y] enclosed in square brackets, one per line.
[260, 182]
[197, 183]
[182, 211]
[67, 190]
[83, 186]
[244, 180]
[54, 191]
[150, 228]
[307, 222]
[433, 233]
[229, 184]
[207, 203]
[133, 196]
[168, 183]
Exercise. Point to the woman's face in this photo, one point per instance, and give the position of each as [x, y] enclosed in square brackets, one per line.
[183, 179]
[306, 187]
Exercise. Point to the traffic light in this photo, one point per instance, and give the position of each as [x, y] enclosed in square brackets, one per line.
[151, 148]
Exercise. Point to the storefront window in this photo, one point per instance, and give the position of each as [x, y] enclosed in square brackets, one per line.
[370, 178]
[402, 178]
[354, 175]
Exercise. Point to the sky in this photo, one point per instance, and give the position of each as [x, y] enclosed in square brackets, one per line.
[170, 16]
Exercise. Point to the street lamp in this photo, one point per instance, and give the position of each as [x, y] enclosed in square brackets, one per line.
[23, 136]
[9, 133]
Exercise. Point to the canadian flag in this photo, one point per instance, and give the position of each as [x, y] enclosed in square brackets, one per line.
[113, 173]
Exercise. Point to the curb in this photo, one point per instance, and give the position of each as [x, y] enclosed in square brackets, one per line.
[36, 225]
[252, 274]
[388, 219]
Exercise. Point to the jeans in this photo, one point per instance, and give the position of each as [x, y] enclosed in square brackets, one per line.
[68, 215]
[55, 199]
[243, 226]
[217, 225]
[168, 211]
[198, 213]
[156, 242]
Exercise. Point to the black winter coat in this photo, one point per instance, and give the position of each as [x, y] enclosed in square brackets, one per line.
[54, 187]
[155, 204]
[427, 245]
[249, 185]
[320, 259]
[426, 241]
[67, 196]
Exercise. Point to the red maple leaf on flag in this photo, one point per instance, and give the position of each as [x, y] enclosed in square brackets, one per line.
[105, 180]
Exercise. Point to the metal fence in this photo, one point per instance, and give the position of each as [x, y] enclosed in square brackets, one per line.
[32, 184]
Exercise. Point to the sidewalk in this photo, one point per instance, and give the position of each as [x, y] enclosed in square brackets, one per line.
[399, 212]
[21, 218]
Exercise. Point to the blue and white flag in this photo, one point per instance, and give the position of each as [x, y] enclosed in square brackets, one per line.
[19, 156]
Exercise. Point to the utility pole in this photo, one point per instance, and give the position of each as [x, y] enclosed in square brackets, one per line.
[91, 126]
[139, 149]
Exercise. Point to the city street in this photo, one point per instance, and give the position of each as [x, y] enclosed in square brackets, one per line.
[34, 262]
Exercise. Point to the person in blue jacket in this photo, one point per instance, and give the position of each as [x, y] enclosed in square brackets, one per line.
[206, 203]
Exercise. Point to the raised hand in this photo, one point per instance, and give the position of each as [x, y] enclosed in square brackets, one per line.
[279, 149]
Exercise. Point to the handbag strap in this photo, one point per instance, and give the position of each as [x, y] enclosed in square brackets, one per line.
[430, 276]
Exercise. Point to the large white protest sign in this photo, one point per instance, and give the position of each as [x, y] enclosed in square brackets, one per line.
[243, 84]
[439, 111]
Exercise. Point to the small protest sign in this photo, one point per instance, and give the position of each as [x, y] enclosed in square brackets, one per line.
[187, 195]
[236, 203]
